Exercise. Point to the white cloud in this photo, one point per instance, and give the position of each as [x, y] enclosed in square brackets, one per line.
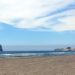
[57, 15]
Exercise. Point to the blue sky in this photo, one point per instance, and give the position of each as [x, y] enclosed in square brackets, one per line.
[37, 22]
[14, 36]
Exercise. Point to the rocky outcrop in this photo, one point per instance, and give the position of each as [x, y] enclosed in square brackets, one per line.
[1, 48]
[65, 49]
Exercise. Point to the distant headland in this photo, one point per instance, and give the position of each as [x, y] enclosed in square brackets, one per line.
[1, 49]
[65, 49]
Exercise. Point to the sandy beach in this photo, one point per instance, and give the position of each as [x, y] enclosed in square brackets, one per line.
[55, 65]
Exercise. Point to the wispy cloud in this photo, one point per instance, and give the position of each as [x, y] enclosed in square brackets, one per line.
[53, 15]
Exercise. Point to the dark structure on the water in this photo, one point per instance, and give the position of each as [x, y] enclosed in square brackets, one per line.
[69, 48]
[1, 48]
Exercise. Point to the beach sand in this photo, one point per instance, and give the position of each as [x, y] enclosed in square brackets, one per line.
[55, 65]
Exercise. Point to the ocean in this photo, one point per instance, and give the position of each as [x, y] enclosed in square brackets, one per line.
[34, 53]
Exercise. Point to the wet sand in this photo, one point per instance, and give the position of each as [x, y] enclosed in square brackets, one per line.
[55, 65]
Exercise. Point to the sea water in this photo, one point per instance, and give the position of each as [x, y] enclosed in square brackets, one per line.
[34, 53]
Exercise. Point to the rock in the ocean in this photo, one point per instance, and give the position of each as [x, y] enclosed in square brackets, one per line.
[1, 48]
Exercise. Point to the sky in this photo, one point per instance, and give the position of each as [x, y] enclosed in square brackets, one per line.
[37, 22]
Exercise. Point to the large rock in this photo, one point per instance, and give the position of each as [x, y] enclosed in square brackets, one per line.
[1, 48]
